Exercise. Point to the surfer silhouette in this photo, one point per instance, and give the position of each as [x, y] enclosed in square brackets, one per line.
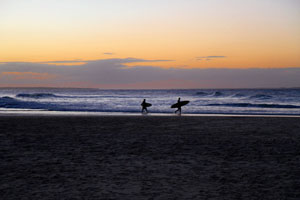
[179, 104]
[144, 106]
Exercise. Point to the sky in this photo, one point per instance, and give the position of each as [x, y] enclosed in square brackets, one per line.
[150, 44]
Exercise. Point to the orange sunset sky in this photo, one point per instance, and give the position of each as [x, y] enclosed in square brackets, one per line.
[164, 34]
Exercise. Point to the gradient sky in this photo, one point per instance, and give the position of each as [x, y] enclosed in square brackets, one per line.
[165, 34]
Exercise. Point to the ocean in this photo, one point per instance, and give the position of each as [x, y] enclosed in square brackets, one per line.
[202, 101]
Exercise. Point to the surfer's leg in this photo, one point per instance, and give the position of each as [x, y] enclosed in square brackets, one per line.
[146, 110]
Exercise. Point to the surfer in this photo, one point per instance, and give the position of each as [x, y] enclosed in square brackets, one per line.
[179, 106]
[144, 106]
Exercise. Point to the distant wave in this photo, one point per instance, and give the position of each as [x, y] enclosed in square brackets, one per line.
[202, 93]
[255, 105]
[238, 95]
[36, 95]
[8, 102]
[261, 96]
[218, 94]
[6, 99]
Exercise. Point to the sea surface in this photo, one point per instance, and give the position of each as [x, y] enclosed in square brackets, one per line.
[202, 101]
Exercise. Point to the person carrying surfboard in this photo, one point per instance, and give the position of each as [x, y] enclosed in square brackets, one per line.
[145, 105]
[179, 104]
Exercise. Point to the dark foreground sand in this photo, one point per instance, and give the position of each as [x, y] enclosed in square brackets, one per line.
[147, 157]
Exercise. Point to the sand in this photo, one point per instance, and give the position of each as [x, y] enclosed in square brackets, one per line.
[149, 157]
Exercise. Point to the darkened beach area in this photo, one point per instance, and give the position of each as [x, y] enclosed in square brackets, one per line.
[149, 157]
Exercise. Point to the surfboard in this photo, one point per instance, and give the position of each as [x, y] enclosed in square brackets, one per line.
[181, 103]
[146, 104]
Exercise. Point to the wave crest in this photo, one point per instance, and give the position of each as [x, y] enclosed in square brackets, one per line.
[9, 102]
[202, 93]
[261, 96]
[218, 94]
[36, 95]
[255, 105]
[238, 95]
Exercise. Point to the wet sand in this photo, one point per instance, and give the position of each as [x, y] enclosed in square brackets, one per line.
[149, 157]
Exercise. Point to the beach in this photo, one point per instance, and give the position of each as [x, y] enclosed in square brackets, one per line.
[149, 157]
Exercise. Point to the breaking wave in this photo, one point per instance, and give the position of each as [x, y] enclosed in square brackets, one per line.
[218, 94]
[261, 96]
[36, 95]
[9, 102]
[255, 105]
[202, 93]
[238, 95]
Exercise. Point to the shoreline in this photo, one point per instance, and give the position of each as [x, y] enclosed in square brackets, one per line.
[20, 112]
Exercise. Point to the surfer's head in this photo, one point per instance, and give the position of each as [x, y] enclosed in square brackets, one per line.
[179, 99]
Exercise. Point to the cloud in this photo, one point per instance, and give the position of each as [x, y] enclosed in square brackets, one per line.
[114, 73]
[108, 53]
[64, 61]
[209, 57]
[27, 75]
[118, 60]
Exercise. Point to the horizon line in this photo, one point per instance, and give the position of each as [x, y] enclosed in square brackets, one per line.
[298, 87]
